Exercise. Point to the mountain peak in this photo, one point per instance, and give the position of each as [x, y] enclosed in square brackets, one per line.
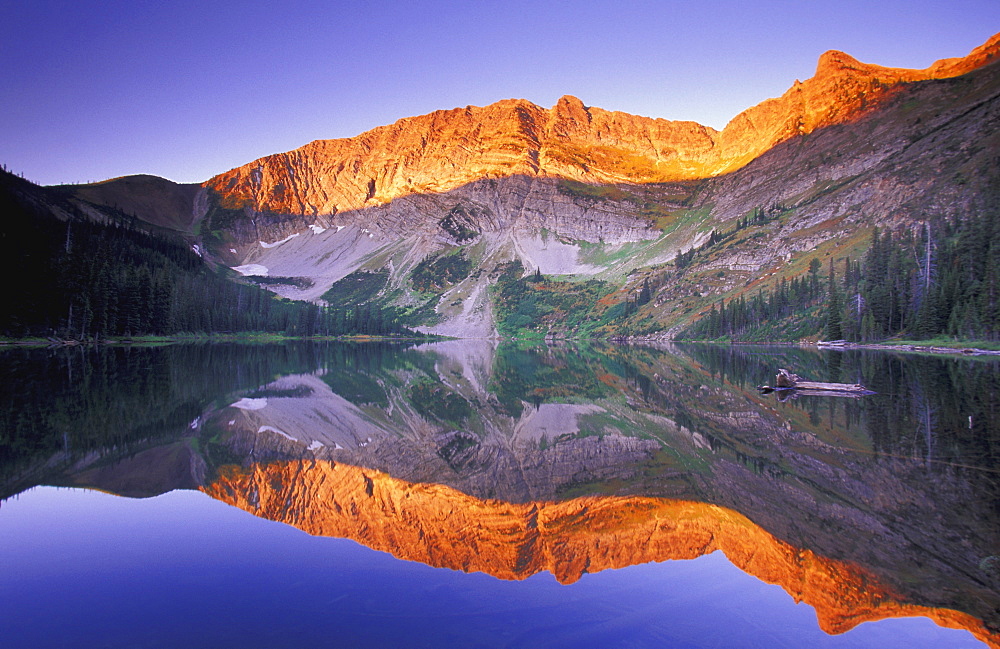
[569, 102]
[836, 61]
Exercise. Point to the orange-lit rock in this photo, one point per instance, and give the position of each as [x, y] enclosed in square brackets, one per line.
[442, 527]
[446, 149]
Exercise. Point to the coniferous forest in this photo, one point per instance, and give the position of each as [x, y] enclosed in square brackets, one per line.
[939, 279]
[75, 278]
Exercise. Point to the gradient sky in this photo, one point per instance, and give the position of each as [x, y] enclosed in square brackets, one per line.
[188, 89]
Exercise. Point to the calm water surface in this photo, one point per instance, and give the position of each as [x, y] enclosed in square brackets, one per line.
[459, 494]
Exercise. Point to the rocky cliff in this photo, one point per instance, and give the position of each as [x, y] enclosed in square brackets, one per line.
[447, 149]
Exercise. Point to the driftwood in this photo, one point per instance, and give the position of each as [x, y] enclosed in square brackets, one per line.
[786, 380]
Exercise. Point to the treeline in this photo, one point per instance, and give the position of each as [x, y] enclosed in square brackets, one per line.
[79, 279]
[941, 279]
[745, 318]
[759, 216]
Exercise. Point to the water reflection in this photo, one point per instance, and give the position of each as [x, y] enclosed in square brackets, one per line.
[514, 460]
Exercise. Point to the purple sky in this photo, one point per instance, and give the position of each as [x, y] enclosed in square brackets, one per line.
[186, 90]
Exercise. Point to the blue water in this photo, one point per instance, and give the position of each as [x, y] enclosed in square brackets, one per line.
[82, 569]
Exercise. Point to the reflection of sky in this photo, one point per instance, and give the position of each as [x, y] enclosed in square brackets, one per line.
[84, 569]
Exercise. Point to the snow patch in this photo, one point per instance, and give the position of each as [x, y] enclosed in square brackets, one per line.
[272, 429]
[194, 424]
[324, 258]
[197, 250]
[278, 243]
[252, 269]
[250, 404]
[232, 250]
[317, 229]
[551, 256]
[315, 445]
[340, 227]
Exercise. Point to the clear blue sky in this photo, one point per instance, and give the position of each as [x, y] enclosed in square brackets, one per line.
[186, 89]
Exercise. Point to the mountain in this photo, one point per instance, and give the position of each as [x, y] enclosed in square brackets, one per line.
[429, 210]
[160, 202]
[446, 150]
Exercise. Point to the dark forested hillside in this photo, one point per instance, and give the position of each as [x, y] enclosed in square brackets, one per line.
[939, 278]
[70, 276]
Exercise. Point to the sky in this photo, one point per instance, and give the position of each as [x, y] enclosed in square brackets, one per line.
[188, 89]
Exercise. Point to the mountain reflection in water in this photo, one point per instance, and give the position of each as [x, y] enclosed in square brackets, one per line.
[514, 460]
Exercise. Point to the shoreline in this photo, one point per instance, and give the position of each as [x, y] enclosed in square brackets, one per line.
[961, 349]
[907, 347]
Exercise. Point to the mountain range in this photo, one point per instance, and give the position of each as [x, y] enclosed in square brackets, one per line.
[426, 215]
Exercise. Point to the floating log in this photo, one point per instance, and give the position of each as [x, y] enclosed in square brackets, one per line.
[786, 380]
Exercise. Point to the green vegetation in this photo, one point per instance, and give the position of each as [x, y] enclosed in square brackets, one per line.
[297, 282]
[941, 282]
[360, 287]
[436, 273]
[534, 306]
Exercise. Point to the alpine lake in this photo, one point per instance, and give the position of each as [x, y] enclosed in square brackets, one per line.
[475, 494]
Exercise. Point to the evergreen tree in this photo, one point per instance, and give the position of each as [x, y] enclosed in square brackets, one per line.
[834, 309]
[645, 294]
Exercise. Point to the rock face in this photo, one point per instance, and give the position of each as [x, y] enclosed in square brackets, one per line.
[447, 149]
[442, 527]
[854, 146]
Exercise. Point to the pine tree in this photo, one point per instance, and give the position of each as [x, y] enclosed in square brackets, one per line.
[645, 294]
[834, 309]
[814, 268]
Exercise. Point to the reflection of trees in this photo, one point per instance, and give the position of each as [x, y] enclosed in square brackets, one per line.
[539, 374]
[100, 397]
[934, 396]
[821, 473]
